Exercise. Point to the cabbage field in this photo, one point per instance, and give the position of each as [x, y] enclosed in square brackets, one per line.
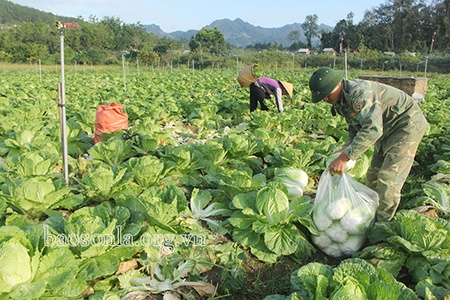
[189, 203]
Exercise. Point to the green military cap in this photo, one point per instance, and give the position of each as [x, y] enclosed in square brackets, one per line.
[323, 81]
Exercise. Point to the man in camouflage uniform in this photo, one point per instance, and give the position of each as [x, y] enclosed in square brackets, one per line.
[377, 115]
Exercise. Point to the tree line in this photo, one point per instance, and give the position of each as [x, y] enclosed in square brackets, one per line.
[395, 26]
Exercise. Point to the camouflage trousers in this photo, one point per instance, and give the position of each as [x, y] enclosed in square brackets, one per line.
[391, 163]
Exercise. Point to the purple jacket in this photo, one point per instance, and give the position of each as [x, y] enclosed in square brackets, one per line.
[271, 86]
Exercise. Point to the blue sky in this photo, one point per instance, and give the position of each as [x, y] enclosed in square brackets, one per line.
[172, 15]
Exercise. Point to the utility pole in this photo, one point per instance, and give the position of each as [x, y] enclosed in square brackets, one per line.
[62, 105]
[432, 42]
[62, 98]
[341, 45]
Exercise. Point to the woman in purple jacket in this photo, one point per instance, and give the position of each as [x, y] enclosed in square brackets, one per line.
[264, 87]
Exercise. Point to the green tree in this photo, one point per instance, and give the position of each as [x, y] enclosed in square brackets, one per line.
[5, 56]
[294, 36]
[208, 40]
[37, 52]
[344, 35]
[406, 16]
[138, 36]
[397, 25]
[311, 28]
[440, 23]
[147, 56]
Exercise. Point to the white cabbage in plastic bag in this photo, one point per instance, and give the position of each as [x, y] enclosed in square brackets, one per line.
[352, 244]
[338, 208]
[343, 211]
[336, 233]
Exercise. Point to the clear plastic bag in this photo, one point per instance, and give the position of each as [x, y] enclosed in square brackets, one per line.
[343, 211]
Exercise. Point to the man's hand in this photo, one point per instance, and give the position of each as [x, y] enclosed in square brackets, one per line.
[339, 165]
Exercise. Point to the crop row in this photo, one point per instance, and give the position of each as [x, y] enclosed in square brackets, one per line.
[155, 208]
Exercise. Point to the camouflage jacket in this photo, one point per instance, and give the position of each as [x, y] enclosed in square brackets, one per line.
[372, 111]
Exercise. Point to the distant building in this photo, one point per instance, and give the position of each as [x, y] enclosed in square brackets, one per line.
[304, 51]
[329, 50]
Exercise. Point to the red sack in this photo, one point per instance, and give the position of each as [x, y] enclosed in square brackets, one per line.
[109, 118]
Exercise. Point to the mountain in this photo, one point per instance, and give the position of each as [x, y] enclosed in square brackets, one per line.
[241, 34]
[237, 33]
[11, 13]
